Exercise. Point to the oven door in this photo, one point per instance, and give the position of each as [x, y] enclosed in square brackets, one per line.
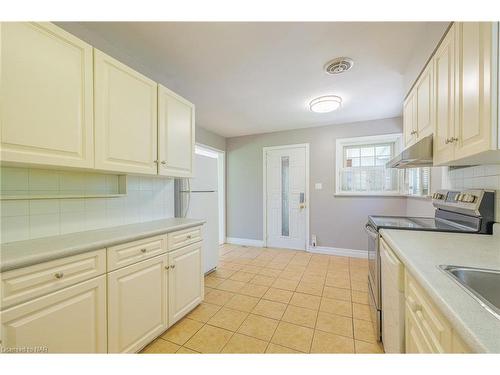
[374, 263]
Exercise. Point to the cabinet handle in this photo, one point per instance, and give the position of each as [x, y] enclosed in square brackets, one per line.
[454, 139]
[172, 266]
[163, 162]
[414, 306]
[446, 141]
[59, 275]
[167, 267]
[143, 250]
[155, 161]
[189, 236]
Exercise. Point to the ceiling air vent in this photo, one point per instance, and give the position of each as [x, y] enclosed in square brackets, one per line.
[339, 65]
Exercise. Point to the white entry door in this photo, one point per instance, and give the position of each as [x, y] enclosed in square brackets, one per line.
[286, 206]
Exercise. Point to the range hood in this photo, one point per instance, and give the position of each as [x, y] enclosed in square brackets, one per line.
[417, 155]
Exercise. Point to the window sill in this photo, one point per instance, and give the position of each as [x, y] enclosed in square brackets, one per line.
[370, 195]
[419, 197]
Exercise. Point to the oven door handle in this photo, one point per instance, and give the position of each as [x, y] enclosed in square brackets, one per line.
[371, 232]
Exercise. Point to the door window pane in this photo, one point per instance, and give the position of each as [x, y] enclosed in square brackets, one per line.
[285, 166]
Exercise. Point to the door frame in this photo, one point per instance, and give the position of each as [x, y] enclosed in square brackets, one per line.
[265, 150]
[221, 186]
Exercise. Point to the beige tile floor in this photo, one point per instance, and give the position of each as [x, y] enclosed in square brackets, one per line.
[264, 300]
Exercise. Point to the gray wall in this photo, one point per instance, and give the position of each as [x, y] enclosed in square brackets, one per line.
[336, 221]
[209, 138]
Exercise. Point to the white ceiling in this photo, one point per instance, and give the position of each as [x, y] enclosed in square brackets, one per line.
[248, 78]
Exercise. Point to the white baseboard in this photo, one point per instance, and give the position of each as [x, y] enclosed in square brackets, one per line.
[244, 242]
[353, 253]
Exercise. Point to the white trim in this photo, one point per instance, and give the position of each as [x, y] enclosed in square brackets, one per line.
[264, 190]
[353, 253]
[244, 242]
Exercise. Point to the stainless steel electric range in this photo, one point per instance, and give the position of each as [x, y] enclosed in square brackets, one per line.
[469, 211]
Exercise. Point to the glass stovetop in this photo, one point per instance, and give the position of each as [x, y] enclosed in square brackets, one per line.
[417, 223]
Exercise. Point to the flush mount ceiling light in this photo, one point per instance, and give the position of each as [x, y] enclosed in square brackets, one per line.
[325, 104]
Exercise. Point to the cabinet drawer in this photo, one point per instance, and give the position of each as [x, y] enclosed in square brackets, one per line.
[26, 283]
[133, 252]
[432, 323]
[183, 237]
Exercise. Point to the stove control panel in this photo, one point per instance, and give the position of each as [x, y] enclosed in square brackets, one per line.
[466, 201]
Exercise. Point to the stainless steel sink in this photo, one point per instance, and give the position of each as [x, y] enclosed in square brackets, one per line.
[482, 284]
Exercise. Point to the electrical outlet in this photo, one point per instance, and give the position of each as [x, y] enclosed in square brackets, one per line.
[313, 240]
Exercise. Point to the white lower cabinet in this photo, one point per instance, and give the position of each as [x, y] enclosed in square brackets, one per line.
[137, 304]
[185, 281]
[71, 320]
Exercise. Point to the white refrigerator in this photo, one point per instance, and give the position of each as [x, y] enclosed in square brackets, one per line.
[197, 198]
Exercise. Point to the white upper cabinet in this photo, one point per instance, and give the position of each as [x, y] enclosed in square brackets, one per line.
[444, 94]
[424, 126]
[45, 96]
[125, 118]
[176, 129]
[410, 120]
[473, 125]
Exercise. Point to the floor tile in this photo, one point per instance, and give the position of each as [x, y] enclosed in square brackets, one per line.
[228, 319]
[364, 330]
[222, 272]
[242, 276]
[231, 285]
[278, 295]
[339, 325]
[360, 311]
[360, 297]
[218, 297]
[212, 281]
[363, 347]
[334, 306]
[293, 336]
[305, 300]
[182, 331]
[337, 293]
[359, 285]
[160, 346]
[313, 279]
[269, 272]
[300, 316]
[310, 288]
[242, 303]
[203, 312]
[262, 280]
[277, 266]
[184, 350]
[251, 269]
[253, 290]
[258, 326]
[290, 275]
[285, 284]
[244, 344]
[270, 309]
[340, 280]
[329, 343]
[209, 339]
[278, 349]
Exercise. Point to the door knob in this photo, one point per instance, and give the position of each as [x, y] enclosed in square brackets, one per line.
[59, 275]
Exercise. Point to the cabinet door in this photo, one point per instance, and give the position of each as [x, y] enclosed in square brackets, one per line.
[444, 102]
[137, 304]
[175, 134]
[125, 118]
[72, 320]
[409, 120]
[424, 126]
[185, 281]
[473, 89]
[415, 341]
[46, 96]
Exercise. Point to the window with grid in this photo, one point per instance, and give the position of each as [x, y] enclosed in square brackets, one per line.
[361, 165]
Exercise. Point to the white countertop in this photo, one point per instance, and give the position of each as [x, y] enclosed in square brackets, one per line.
[25, 253]
[422, 252]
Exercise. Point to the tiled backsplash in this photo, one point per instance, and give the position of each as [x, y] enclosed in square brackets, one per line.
[478, 177]
[148, 198]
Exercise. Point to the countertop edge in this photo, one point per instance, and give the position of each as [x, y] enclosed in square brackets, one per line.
[469, 337]
[92, 246]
